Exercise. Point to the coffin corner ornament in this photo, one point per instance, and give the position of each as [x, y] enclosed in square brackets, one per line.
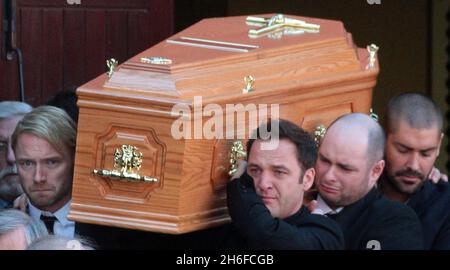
[249, 84]
[372, 49]
[319, 133]
[112, 65]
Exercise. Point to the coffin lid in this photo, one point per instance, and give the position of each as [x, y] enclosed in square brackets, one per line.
[325, 57]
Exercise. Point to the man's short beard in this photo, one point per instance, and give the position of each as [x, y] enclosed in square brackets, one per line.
[398, 187]
[10, 187]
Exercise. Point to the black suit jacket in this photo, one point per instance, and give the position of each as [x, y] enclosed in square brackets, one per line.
[105, 237]
[375, 222]
[112, 238]
[256, 228]
[432, 205]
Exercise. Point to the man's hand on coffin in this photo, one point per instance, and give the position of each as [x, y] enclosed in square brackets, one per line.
[242, 167]
[435, 176]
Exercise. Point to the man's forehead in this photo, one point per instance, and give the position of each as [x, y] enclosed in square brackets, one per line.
[29, 143]
[404, 133]
[7, 125]
[284, 147]
[349, 149]
[403, 126]
[283, 153]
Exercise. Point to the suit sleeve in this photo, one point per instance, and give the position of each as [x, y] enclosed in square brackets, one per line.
[442, 241]
[398, 228]
[262, 231]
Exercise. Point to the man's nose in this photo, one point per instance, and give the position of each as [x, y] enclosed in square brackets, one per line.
[330, 174]
[10, 157]
[413, 162]
[265, 181]
[39, 174]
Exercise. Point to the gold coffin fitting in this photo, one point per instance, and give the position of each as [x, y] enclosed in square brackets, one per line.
[127, 159]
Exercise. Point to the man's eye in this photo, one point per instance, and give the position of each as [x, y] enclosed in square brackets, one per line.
[324, 160]
[52, 162]
[253, 171]
[346, 169]
[3, 146]
[26, 163]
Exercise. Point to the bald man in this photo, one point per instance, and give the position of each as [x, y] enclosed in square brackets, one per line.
[349, 163]
[413, 125]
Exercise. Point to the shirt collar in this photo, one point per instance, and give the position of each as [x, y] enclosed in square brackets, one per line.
[322, 207]
[61, 214]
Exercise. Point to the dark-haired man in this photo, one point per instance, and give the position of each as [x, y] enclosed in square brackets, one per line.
[265, 203]
[413, 125]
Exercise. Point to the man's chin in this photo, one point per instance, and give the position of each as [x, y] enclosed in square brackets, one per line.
[40, 204]
[272, 211]
[408, 187]
[41, 201]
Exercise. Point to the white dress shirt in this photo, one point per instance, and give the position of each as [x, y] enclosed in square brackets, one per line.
[322, 208]
[62, 226]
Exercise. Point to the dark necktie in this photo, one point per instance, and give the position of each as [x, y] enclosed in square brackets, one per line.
[49, 221]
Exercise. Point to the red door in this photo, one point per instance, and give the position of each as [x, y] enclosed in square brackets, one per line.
[65, 43]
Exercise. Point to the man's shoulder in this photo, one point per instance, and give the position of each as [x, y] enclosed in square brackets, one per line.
[316, 221]
[394, 225]
[440, 189]
[431, 196]
[388, 209]
[377, 206]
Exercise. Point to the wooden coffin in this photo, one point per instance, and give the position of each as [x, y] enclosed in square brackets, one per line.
[313, 76]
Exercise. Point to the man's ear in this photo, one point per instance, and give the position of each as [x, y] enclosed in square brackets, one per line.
[375, 172]
[308, 178]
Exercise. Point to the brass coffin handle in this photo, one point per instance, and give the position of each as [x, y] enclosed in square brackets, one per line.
[126, 159]
[132, 177]
[237, 153]
[319, 133]
[156, 60]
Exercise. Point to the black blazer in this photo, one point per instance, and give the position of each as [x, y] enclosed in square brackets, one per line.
[432, 205]
[375, 222]
[257, 229]
[104, 237]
